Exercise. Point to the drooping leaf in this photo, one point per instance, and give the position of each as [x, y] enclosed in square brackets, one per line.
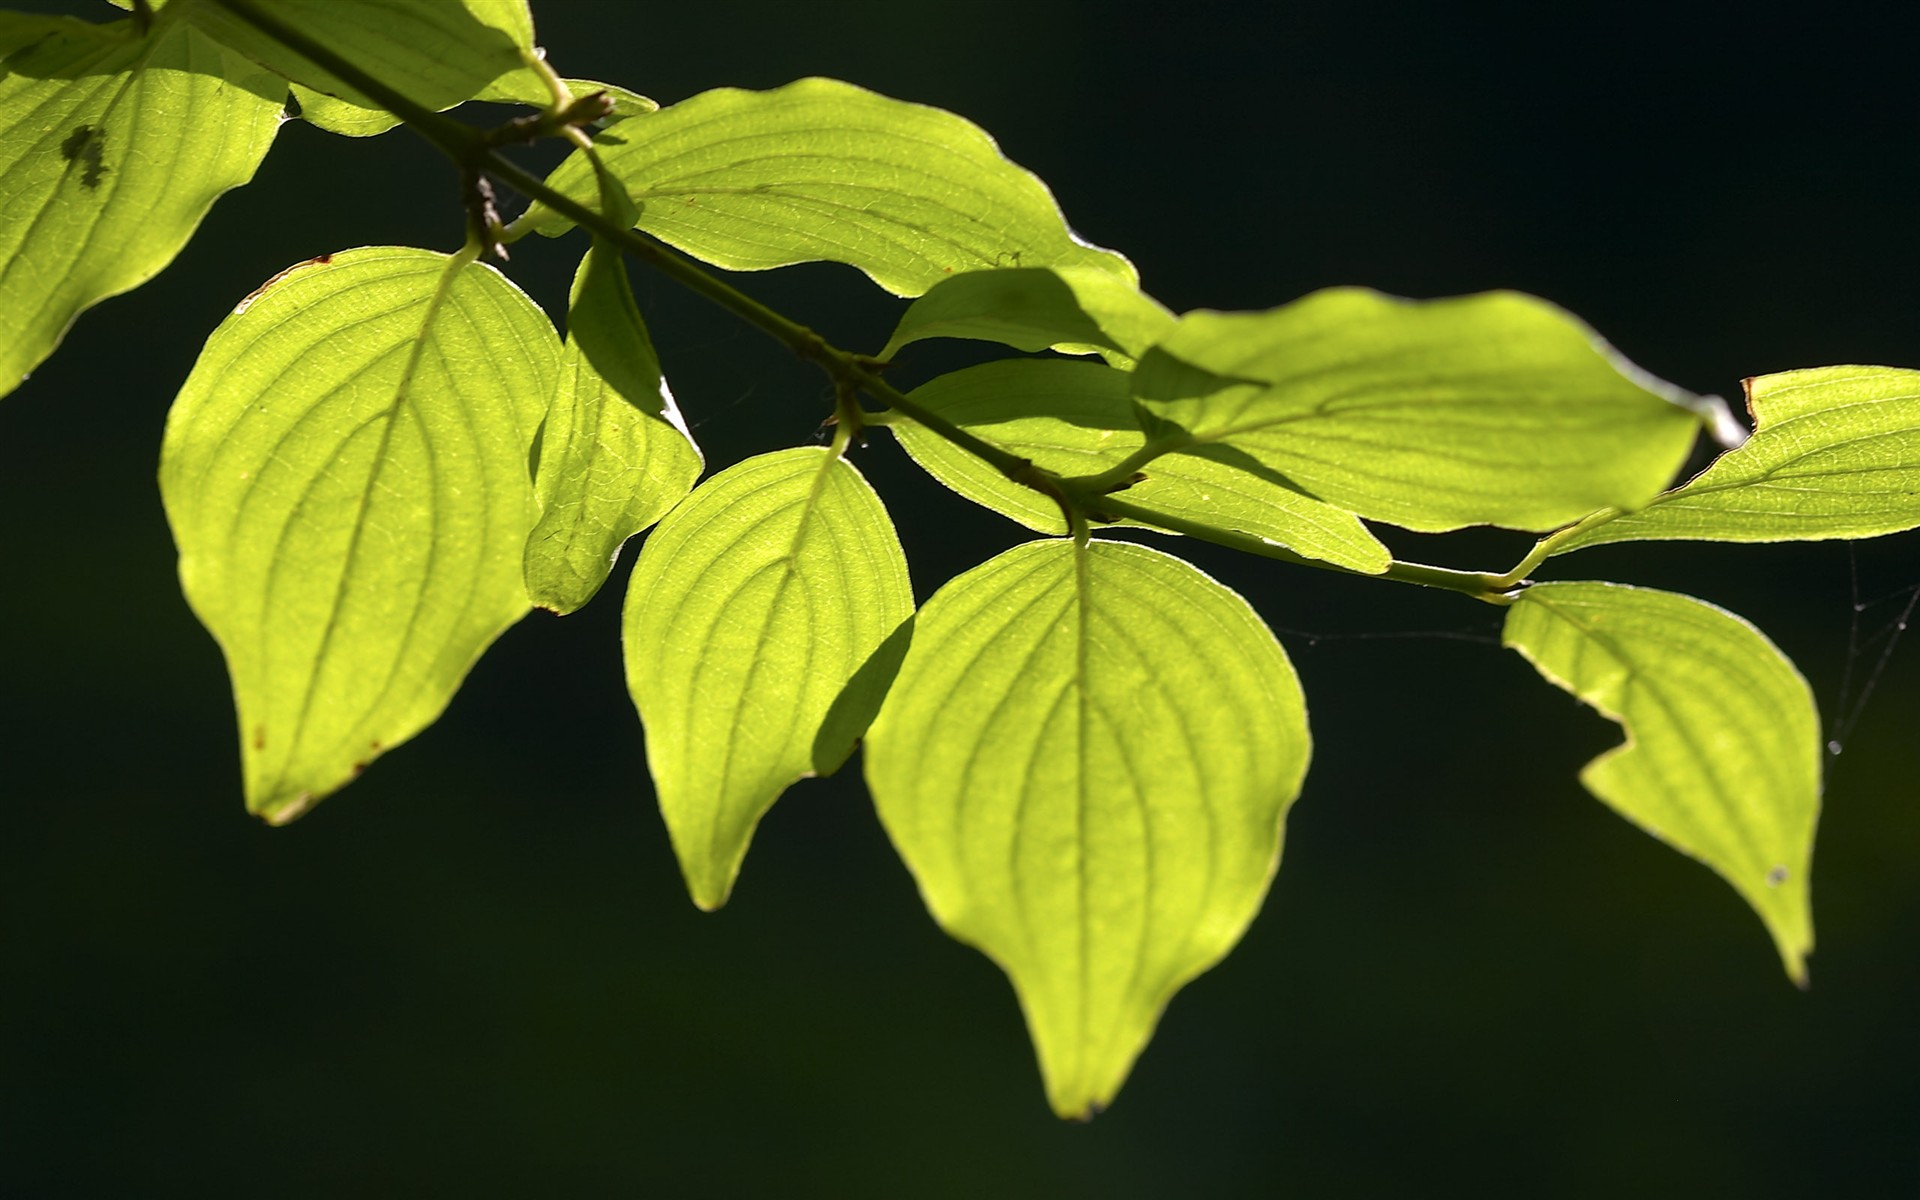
[518, 86]
[437, 53]
[824, 170]
[1073, 309]
[1086, 762]
[1722, 757]
[345, 472]
[113, 146]
[1835, 454]
[753, 609]
[1495, 409]
[1076, 418]
[614, 454]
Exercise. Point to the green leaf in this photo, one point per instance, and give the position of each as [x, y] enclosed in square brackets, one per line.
[345, 472]
[1495, 409]
[1076, 418]
[824, 170]
[1086, 762]
[614, 454]
[1722, 757]
[1072, 309]
[752, 610]
[1835, 454]
[112, 148]
[437, 53]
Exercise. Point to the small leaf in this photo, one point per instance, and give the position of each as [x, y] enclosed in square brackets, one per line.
[1835, 454]
[615, 453]
[1494, 409]
[113, 146]
[345, 472]
[823, 170]
[437, 53]
[1086, 762]
[1072, 309]
[752, 609]
[1722, 757]
[1076, 418]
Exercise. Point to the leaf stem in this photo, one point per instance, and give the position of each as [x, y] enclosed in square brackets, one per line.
[1490, 589]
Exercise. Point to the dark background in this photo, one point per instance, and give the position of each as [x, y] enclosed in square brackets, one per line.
[475, 972]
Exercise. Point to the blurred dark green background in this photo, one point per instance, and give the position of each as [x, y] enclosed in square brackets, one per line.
[475, 973]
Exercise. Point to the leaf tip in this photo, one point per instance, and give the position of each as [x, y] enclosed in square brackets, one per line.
[278, 813]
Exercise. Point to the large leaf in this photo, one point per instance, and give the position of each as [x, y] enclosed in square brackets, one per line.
[1076, 309]
[1722, 757]
[1086, 762]
[614, 454]
[1835, 454]
[1494, 409]
[1076, 418]
[112, 148]
[758, 627]
[437, 53]
[824, 170]
[345, 472]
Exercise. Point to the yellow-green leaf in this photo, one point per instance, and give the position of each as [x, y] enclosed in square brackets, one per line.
[113, 146]
[345, 472]
[1076, 418]
[1495, 409]
[824, 170]
[1086, 762]
[614, 454]
[753, 609]
[1722, 757]
[1835, 454]
[1071, 309]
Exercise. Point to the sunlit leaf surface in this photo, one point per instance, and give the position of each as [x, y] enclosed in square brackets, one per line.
[752, 610]
[1074, 309]
[112, 148]
[824, 170]
[1722, 757]
[1077, 418]
[1495, 409]
[1086, 762]
[345, 472]
[1835, 454]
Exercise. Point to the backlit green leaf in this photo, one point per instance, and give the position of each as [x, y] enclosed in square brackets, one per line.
[1086, 762]
[112, 148]
[615, 454]
[824, 170]
[1835, 454]
[345, 472]
[1076, 418]
[437, 53]
[1495, 409]
[752, 610]
[1722, 757]
[1074, 309]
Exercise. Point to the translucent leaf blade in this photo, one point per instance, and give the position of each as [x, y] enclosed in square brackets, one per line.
[821, 170]
[437, 53]
[615, 453]
[1835, 454]
[112, 148]
[1073, 309]
[752, 611]
[1086, 762]
[1494, 409]
[1722, 758]
[1077, 419]
[345, 472]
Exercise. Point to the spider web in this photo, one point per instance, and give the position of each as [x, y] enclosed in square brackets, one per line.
[1871, 634]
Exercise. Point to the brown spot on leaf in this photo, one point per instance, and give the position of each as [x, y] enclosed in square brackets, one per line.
[259, 737]
[1776, 877]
